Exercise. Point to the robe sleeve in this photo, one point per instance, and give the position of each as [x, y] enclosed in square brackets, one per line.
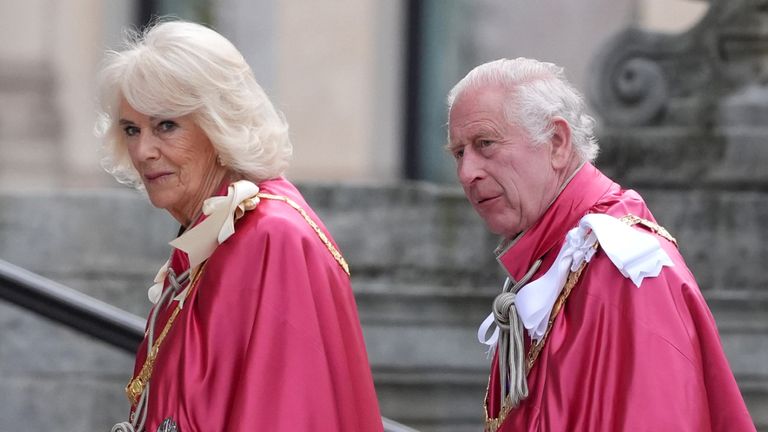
[641, 359]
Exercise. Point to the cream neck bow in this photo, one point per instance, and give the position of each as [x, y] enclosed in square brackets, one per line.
[200, 241]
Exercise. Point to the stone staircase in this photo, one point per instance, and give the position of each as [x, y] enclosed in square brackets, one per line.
[422, 271]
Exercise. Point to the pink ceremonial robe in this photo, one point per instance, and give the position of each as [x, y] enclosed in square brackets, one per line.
[270, 339]
[619, 357]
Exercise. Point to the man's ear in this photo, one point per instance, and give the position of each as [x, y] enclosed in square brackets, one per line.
[562, 147]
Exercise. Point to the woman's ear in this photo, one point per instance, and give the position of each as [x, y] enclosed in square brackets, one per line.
[562, 147]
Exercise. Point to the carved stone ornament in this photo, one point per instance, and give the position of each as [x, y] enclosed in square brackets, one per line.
[644, 78]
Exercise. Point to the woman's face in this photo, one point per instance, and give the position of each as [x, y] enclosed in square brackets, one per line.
[175, 159]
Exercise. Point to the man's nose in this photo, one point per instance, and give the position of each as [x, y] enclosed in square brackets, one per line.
[469, 168]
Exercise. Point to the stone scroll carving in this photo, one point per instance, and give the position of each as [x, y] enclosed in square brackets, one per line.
[644, 78]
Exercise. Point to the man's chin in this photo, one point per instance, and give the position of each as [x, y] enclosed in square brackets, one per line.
[502, 227]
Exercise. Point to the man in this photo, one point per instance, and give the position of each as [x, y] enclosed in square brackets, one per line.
[617, 335]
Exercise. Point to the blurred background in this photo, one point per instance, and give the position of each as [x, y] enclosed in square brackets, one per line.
[678, 87]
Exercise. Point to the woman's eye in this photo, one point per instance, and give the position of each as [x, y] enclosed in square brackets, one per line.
[458, 154]
[130, 131]
[166, 126]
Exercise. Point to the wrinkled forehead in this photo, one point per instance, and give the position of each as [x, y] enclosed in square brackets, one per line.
[478, 108]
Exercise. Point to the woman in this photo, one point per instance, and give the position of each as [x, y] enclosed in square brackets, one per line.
[254, 326]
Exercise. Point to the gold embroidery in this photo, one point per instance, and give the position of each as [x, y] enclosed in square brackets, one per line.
[336, 254]
[492, 424]
[573, 277]
[631, 219]
[136, 385]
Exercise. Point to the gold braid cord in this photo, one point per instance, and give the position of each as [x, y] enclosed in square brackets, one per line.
[136, 386]
[336, 254]
[631, 219]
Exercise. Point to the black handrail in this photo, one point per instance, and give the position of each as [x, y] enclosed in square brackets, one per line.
[86, 314]
[70, 307]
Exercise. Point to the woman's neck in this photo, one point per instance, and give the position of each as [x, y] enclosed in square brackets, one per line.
[214, 180]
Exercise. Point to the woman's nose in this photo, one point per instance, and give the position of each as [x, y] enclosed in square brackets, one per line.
[146, 147]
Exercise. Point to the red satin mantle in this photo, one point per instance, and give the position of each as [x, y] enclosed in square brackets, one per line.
[270, 340]
[620, 358]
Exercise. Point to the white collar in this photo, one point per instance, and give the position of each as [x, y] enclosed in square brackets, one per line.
[636, 254]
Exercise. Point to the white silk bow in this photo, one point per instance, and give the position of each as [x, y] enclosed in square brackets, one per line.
[200, 241]
[635, 254]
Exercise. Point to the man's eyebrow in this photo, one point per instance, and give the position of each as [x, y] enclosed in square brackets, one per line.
[484, 132]
[452, 146]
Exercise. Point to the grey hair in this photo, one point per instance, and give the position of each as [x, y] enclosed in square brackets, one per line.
[539, 92]
[177, 68]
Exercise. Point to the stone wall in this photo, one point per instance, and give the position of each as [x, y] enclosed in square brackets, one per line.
[422, 271]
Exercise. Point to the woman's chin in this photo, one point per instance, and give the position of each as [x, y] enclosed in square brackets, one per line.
[160, 199]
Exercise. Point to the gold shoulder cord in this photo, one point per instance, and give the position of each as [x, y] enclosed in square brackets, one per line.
[631, 220]
[493, 424]
[336, 254]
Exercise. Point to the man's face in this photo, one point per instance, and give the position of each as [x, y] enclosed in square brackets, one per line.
[509, 181]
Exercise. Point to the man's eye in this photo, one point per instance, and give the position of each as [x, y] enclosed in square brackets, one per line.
[484, 143]
[130, 131]
[166, 126]
[458, 154]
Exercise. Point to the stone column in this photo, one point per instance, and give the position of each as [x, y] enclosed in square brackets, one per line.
[334, 70]
[75, 50]
[29, 122]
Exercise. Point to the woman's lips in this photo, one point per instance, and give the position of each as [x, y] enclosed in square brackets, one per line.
[155, 176]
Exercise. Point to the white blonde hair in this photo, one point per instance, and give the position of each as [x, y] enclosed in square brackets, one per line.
[176, 68]
[538, 93]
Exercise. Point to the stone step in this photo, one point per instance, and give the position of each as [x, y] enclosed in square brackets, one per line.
[739, 310]
[431, 372]
[411, 236]
[755, 392]
[725, 158]
[422, 270]
[433, 399]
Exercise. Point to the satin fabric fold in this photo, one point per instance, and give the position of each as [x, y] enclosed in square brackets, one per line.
[617, 357]
[270, 340]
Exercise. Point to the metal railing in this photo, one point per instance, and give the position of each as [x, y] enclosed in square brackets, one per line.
[86, 314]
[70, 307]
